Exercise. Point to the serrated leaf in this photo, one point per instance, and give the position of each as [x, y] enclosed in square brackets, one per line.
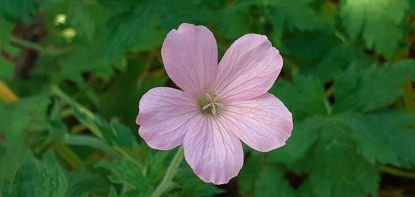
[377, 20]
[304, 134]
[295, 14]
[336, 170]
[292, 95]
[89, 59]
[139, 29]
[130, 173]
[113, 133]
[79, 182]
[36, 178]
[395, 129]
[364, 90]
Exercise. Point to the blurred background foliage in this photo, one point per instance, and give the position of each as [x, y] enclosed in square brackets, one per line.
[72, 73]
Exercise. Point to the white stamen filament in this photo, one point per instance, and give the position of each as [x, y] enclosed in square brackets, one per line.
[212, 103]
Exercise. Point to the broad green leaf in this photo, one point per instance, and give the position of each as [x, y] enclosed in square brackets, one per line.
[139, 28]
[367, 89]
[35, 178]
[19, 10]
[293, 96]
[395, 130]
[336, 60]
[130, 173]
[271, 182]
[290, 15]
[249, 172]
[6, 69]
[80, 181]
[114, 133]
[89, 59]
[378, 21]
[304, 134]
[113, 192]
[79, 16]
[337, 170]
[311, 45]
[15, 117]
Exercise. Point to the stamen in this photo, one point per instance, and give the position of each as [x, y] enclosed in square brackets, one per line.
[212, 102]
[206, 106]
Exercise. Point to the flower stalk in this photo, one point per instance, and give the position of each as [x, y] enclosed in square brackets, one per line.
[171, 171]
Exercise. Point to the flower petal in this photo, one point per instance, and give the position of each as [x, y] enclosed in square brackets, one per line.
[164, 117]
[263, 123]
[214, 154]
[248, 69]
[190, 56]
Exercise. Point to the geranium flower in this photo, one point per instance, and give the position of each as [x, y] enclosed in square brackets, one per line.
[219, 105]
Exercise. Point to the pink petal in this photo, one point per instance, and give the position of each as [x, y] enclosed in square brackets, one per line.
[164, 117]
[248, 69]
[190, 56]
[263, 123]
[214, 154]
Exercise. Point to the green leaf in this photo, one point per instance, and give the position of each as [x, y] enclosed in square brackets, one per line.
[292, 95]
[19, 10]
[365, 90]
[113, 192]
[6, 29]
[336, 170]
[79, 17]
[377, 20]
[408, 64]
[80, 181]
[271, 182]
[304, 134]
[336, 60]
[113, 133]
[6, 68]
[130, 173]
[35, 178]
[249, 172]
[235, 21]
[15, 117]
[396, 130]
[139, 29]
[294, 14]
[89, 59]
[369, 141]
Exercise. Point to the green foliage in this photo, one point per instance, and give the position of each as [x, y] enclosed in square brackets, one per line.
[79, 68]
[35, 178]
[378, 21]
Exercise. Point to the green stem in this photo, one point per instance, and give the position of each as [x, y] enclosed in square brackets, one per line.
[171, 171]
[397, 172]
[84, 140]
[38, 47]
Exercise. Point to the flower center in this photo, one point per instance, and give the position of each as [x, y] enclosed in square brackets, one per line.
[211, 104]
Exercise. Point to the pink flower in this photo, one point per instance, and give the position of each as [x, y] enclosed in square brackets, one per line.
[219, 105]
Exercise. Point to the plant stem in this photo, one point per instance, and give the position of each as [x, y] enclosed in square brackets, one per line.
[397, 172]
[171, 171]
[38, 47]
[84, 140]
